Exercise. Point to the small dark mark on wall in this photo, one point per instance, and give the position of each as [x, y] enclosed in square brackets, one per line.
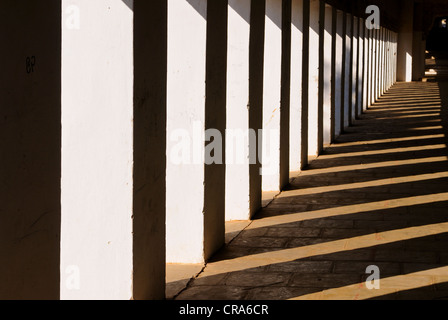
[30, 64]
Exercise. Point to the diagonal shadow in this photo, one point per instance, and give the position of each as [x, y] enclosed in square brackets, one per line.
[129, 4]
[317, 238]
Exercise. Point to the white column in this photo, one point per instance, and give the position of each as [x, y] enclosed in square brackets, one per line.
[186, 92]
[197, 42]
[373, 66]
[313, 93]
[391, 59]
[238, 135]
[348, 67]
[339, 34]
[405, 44]
[381, 64]
[296, 85]
[366, 67]
[387, 60]
[149, 207]
[328, 41]
[355, 51]
[97, 151]
[383, 60]
[361, 70]
[391, 56]
[370, 67]
[272, 96]
[113, 150]
[396, 57]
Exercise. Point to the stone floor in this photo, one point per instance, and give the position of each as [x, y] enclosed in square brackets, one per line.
[378, 196]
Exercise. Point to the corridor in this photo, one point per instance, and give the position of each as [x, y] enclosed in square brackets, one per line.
[224, 149]
[376, 197]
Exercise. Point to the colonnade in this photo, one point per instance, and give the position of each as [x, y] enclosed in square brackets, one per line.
[170, 118]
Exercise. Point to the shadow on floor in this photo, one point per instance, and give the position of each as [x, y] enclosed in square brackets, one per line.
[378, 196]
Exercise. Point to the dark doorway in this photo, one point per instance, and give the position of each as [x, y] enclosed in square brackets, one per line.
[438, 36]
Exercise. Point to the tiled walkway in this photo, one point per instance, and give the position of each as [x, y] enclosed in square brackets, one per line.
[379, 196]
